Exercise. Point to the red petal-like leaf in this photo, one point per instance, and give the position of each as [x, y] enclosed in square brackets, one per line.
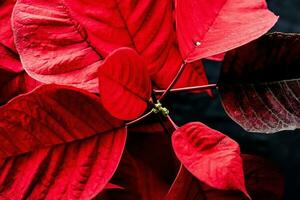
[64, 42]
[208, 28]
[259, 83]
[124, 84]
[76, 170]
[210, 156]
[51, 115]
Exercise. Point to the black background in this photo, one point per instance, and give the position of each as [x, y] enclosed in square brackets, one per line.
[282, 148]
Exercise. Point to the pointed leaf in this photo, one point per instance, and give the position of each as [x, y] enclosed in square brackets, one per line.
[76, 170]
[259, 84]
[124, 84]
[208, 28]
[51, 115]
[64, 42]
[210, 156]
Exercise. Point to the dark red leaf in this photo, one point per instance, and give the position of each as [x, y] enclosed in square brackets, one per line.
[210, 156]
[149, 167]
[208, 28]
[139, 182]
[51, 115]
[64, 42]
[124, 84]
[6, 34]
[263, 180]
[14, 84]
[259, 84]
[76, 170]
[9, 60]
[186, 187]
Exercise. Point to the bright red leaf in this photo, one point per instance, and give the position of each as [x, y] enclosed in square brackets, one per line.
[210, 156]
[76, 170]
[208, 28]
[51, 115]
[73, 37]
[124, 84]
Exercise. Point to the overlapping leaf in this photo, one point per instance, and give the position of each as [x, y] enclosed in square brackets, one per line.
[124, 84]
[77, 170]
[65, 41]
[208, 28]
[210, 156]
[51, 115]
[259, 84]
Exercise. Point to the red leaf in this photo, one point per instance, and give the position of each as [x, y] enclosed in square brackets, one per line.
[261, 92]
[149, 165]
[208, 28]
[264, 181]
[218, 57]
[6, 35]
[110, 186]
[186, 187]
[139, 182]
[51, 115]
[76, 170]
[73, 37]
[124, 84]
[14, 84]
[210, 156]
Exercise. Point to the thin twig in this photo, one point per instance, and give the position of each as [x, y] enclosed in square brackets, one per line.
[173, 81]
[185, 89]
[139, 119]
[172, 122]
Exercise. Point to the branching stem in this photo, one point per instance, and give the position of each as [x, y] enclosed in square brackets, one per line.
[185, 89]
[177, 76]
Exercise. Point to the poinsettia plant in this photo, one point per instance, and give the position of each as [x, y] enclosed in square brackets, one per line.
[83, 87]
